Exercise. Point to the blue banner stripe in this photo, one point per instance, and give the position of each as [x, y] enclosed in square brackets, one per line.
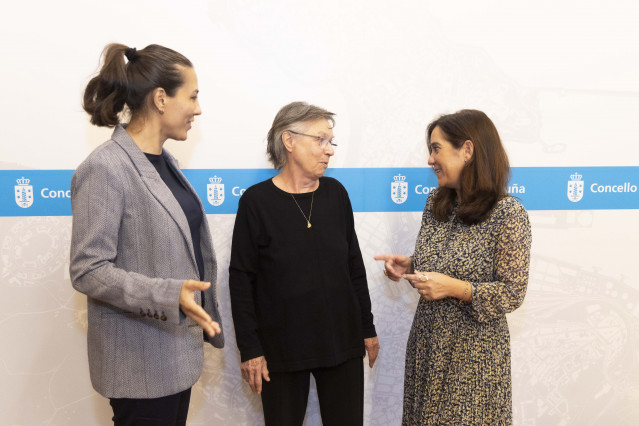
[46, 192]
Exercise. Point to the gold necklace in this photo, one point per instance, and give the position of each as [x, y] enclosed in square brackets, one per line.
[308, 220]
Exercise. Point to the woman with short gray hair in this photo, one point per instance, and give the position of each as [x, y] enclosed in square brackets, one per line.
[298, 285]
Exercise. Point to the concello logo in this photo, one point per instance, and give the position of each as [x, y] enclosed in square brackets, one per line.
[399, 189]
[24, 193]
[575, 187]
[625, 187]
[215, 191]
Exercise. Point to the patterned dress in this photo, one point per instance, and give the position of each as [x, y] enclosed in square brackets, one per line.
[458, 354]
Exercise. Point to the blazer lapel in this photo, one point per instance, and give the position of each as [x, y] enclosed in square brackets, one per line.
[155, 184]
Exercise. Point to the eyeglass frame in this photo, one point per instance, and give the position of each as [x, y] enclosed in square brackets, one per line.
[317, 139]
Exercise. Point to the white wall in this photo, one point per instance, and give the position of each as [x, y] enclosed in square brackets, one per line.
[560, 80]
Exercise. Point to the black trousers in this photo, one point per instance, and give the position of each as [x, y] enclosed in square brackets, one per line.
[340, 390]
[168, 410]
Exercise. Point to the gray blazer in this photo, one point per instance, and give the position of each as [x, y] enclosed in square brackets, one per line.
[131, 250]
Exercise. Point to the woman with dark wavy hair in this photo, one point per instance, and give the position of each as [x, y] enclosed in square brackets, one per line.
[141, 248]
[470, 267]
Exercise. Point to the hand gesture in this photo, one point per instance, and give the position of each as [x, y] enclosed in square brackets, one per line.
[395, 265]
[195, 311]
[431, 285]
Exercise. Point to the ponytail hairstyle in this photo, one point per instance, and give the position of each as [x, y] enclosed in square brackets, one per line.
[129, 82]
[484, 178]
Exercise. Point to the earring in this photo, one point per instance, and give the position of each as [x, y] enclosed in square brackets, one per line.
[465, 160]
[161, 111]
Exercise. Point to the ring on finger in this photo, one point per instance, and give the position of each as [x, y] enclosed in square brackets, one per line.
[385, 272]
[423, 278]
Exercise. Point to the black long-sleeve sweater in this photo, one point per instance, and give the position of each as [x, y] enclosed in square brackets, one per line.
[299, 295]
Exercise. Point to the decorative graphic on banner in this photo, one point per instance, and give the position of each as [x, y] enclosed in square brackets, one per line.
[399, 189]
[24, 193]
[46, 192]
[575, 188]
[215, 191]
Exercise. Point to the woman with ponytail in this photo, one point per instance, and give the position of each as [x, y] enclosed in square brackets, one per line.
[141, 248]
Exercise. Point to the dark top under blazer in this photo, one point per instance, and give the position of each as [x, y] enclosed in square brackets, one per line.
[131, 250]
[299, 295]
[188, 201]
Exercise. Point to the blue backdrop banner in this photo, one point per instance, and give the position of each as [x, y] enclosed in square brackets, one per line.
[46, 192]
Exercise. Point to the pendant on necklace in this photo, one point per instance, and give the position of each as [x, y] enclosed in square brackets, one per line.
[310, 213]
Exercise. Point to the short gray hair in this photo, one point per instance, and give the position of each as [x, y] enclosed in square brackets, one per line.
[289, 118]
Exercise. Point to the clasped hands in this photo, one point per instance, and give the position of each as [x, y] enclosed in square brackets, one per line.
[430, 285]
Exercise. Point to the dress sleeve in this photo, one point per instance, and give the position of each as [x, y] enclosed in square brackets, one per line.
[358, 275]
[506, 292]
[242, 276]
[97, 201]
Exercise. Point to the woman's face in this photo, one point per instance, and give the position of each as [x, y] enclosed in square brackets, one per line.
[446, 160]
[180, 110]
[307, 152]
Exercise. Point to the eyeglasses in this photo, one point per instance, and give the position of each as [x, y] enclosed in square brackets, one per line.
[322, 141]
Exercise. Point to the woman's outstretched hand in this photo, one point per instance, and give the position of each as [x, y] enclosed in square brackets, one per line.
[195, 311]
[395, 265]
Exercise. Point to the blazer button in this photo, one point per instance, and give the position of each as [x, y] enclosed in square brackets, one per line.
[163, 317]
[142, 312]
[155, 315]
[149, 314]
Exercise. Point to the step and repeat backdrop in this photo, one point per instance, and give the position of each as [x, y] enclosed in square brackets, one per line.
[559, 79]
[47, 192]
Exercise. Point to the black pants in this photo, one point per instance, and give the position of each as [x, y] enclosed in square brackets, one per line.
[165, 411]
[340, 391]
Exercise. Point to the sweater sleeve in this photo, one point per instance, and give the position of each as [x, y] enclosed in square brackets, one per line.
[242, 276]
[358, 274]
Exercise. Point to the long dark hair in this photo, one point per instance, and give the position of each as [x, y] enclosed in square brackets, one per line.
[121, 82]
[484, 178]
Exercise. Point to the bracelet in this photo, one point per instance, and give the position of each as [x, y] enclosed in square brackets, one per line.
[462, 300]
